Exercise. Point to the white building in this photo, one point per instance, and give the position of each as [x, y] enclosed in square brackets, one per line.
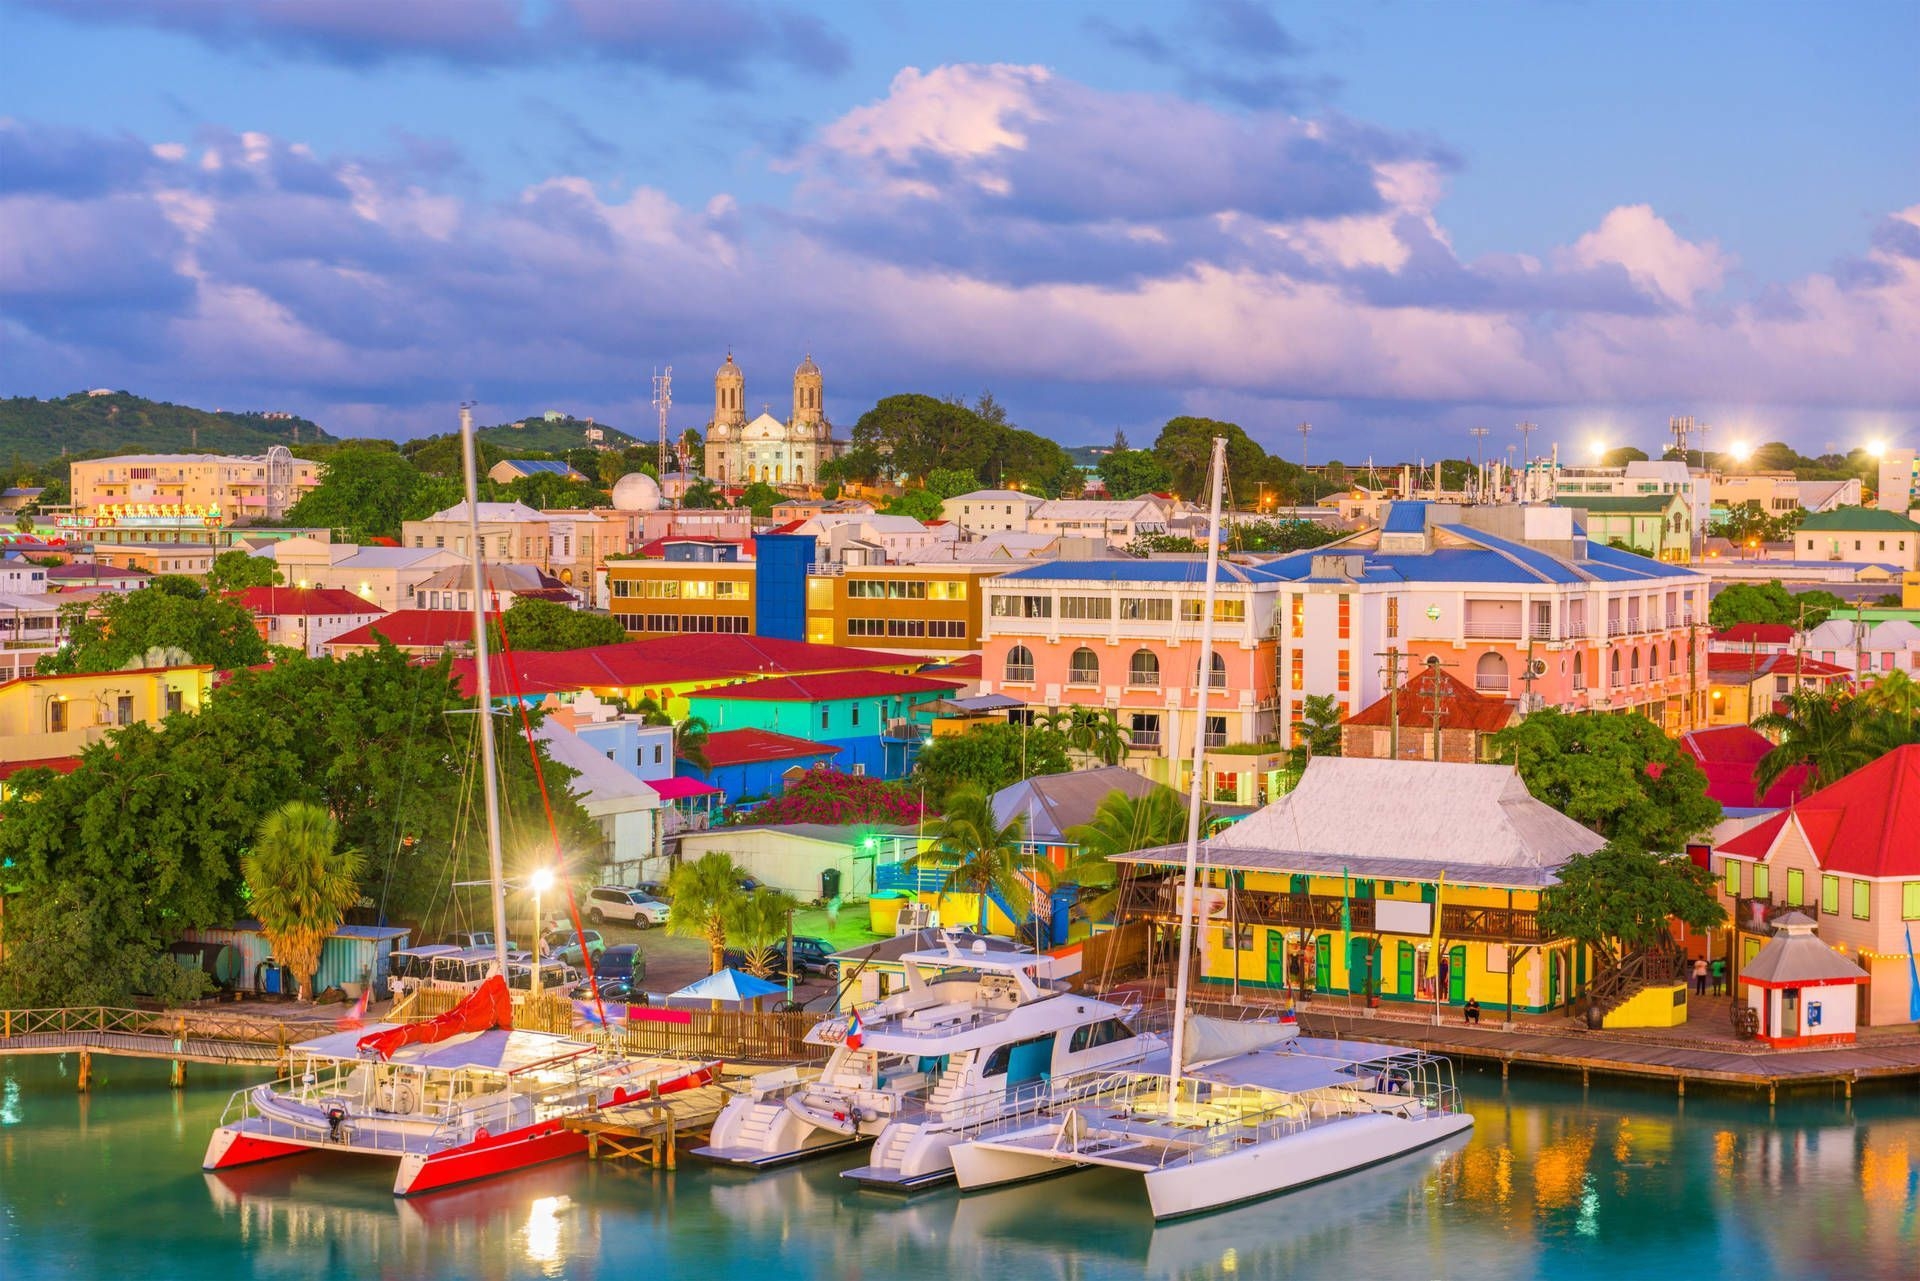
[990, 511]
[387, 576]
[627, 810]
[1118, 521]
[1899, 488]
[1865, 648]
[739, 452]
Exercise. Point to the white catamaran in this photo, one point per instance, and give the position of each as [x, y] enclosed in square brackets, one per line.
[1233, 1112]
[990, 1031]
[461, 1097]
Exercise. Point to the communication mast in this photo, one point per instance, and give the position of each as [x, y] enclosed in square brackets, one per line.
[1681, 428]
[662, 402]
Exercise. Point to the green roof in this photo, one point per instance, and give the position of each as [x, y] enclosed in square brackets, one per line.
[1856, 518]
[1650, 504]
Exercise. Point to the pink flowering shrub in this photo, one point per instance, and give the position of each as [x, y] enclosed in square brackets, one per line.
[828, 796]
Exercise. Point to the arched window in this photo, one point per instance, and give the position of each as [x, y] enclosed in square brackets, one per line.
[1219, 680]
[1579, 671]
[1020, 664]
[1490, 674]
[1633, 666]
[1084, 667]
[1144, 669]
[1613, 666]
[1653, 662]
[1673, 654]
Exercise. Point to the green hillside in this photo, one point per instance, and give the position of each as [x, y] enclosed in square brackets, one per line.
[536, 435]
[36, 430]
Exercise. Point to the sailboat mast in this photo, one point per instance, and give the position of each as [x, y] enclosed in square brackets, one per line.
[490, 779]
[1188, 896]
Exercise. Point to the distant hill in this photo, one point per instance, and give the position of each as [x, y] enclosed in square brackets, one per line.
[555, 437]
[1088, 455]
[85, 425]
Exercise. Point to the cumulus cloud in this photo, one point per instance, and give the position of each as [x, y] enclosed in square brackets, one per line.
[973, 226]
[711, 40]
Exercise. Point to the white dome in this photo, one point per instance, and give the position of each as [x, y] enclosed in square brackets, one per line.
[636, 492]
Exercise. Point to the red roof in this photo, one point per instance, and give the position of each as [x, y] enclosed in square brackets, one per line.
[754, 746]
[1727, 755]
[827, 686]
[1744, 669]
[1757, 634]
[660, 661]
[413, 629]
[302, 601]
[1867, 824]
[58, 764]
[1460, 706]
[657, 549]
[966, 667]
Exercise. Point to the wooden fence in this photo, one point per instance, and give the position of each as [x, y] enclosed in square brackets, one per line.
[734, 1035]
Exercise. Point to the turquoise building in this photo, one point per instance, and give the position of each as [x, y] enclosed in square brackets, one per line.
[874, 721]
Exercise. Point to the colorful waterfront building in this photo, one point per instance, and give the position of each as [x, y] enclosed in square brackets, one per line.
[1849, 857]
[1334, 888]
[1742, 687]
[872, 721]
[750, 764]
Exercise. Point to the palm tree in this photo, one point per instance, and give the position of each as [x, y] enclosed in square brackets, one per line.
[690, 742]
[301, 885]
[1821, 729]
[758, 923]
[1319, 733]
[1061, 720]
[1121, 823]
[649, 712]
[979, 853]
[704, 892]
[1895, 693]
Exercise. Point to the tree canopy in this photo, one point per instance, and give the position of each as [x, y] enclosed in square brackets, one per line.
[1770, 603]
[549, 625]
[989, 756]
[125, 625]
[236, 570]
[363, 493]
[914, 436]
[1129, 473]
[1619, 775]
[759, 498]
[829, 796]
[1620, 899]
[921, 504]
[1835, 732]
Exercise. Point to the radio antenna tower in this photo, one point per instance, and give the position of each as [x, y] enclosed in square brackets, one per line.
[1680, 427]
[662, 402]
[1480, 435]
[1306, 429]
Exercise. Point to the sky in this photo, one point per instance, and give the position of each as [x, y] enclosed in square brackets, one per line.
[1395, 221]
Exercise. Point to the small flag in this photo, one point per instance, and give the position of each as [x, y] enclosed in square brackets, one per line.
[1913, 981]
[357, 1016]
[853, 1031]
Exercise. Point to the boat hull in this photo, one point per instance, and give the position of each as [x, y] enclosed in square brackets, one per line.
[1267, 1169]
[231, 1147]
[487, 1158]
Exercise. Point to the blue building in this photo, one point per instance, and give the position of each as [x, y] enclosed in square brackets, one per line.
[753, 764]
[873, 721]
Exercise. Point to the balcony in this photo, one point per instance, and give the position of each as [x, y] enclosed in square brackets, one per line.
[1214, 738]
[1322, 911]
[1490, 684]
[1019, 674]
[1144, 740]
[1499, 629]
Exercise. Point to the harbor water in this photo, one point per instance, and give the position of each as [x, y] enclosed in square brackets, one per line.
[1553, 1182]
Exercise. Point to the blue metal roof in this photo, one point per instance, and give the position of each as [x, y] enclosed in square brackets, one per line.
[1126, 571]
[531, 465]
[1612, 565]
[1407, 517]
[1544, 565]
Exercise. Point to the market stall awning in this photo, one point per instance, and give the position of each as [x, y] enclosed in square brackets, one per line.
[727, 985]
[681, 789]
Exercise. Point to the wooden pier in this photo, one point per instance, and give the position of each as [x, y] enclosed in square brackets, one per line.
[651, 1131]
[1679, 1061]
[180, 1036]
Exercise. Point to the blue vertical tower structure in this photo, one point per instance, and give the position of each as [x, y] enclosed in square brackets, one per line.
[780, 584]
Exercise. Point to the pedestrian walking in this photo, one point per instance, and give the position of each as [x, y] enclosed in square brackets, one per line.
[1719, 976]
[1700, 976]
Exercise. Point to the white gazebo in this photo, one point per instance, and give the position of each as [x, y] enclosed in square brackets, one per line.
[1801, 988]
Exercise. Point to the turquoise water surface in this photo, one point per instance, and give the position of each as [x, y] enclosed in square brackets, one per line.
[1554, 1182]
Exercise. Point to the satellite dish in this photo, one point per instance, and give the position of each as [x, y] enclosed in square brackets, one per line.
[1538, 666]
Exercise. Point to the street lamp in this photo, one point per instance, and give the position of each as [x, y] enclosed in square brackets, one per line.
[1877, 447]
[1599, 448]
[540, 882]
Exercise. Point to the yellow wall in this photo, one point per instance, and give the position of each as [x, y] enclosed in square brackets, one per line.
[90, 707]
[641, 592]
[1664, 1006]
[1910, 591]
[839, 614]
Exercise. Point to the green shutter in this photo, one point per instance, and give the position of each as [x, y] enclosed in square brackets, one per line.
[1760, 886]
[1830, 895]
[1733, 878]
[1862, 900]
[1910, 901]
[1796, 887]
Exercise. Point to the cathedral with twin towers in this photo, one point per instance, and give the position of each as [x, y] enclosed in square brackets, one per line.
[740, 452]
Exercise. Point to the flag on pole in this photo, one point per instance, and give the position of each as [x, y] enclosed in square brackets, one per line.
[854, 1034]
[1346, 912]
[357, 1016]
[1439, 891]
[1913, 981]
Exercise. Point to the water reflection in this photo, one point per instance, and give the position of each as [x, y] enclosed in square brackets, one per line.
[1553, 1182]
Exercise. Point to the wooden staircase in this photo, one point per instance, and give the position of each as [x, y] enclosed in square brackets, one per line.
[1637, 971]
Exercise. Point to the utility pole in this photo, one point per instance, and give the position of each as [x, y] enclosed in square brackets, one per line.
[1393, 699]
[1439, 693]
[1480, 435]
[1306, 429]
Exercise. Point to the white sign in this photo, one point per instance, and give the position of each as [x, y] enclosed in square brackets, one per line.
[1394, 916]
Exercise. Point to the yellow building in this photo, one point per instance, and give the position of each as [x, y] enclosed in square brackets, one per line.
[930, 607]
[52, 717]
[1742, 687]
[184, 489]
[1372, 840]
[193, 559]
[668, 597]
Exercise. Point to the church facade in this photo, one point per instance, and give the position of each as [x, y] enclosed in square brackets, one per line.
[789, 453]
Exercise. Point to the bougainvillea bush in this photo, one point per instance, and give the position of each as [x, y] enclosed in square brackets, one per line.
[828, 796]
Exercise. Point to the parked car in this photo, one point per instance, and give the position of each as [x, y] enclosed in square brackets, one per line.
[475, 938]
[623, 961]
[813, 955]
[624, 991]
[658, 891]
[626, 904]
[564, 945]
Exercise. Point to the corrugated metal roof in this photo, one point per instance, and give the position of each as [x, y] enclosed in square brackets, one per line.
[1405, 518]
[1127, 570]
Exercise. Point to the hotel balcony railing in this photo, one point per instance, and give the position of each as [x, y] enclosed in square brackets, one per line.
[1575, 630]
[1214, 738]
[1019, 675]
[1498, 629]
[1322, 911]
[1490, 684]
[1144, 739]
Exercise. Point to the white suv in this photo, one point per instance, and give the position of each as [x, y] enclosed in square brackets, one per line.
[616, 903]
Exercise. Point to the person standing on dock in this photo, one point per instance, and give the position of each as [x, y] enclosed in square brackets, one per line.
[1700, 976]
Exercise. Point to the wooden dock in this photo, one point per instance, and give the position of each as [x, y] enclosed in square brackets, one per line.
[651, 1131]
[1673, 1060]
[180, 1036]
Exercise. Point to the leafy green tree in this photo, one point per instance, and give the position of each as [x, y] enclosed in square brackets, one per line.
[1282, 535]
[300, 884]
[1121, 823]
[1620, 899]
[989, 756]
[704, 893]
[1622, 456]
[545, 490]
[703, 495]
[920, 504]
[757, 922]
[694, 449]
[237, 570]
[1129, 473]
[1619, 775]
[363, 493]
[980, 854]
[549, 625]
[1185, 449]
[760, 498]
[1770, 603]
[179, 585]
[210, 629]
[950, 482]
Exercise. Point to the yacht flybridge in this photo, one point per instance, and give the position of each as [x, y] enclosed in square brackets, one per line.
[982, 1028]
